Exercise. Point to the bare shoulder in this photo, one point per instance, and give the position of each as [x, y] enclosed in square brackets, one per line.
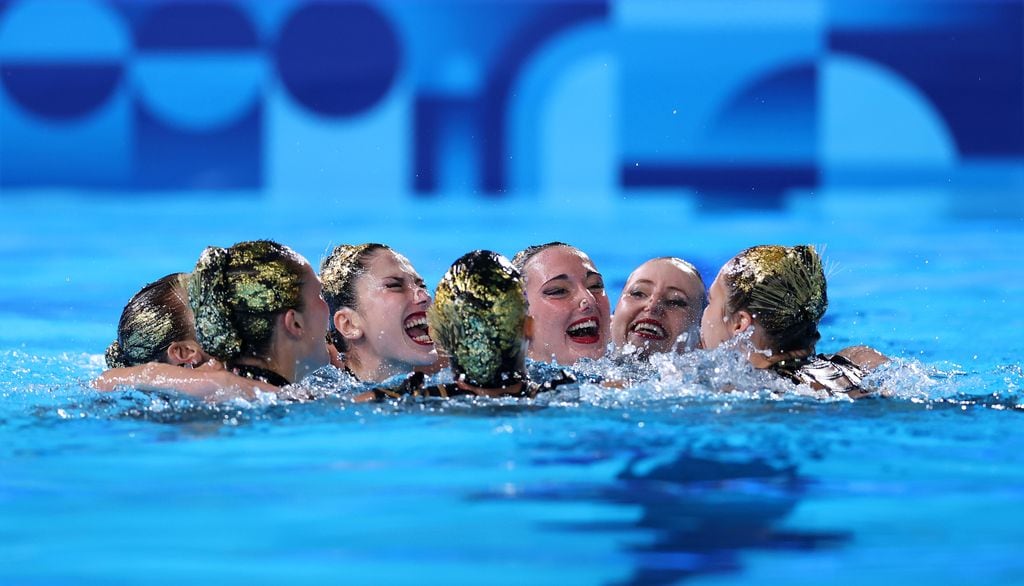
[865, 357]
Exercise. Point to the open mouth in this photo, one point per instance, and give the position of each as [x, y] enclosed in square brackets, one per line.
[416, 328]
[649, 329]
[584, 331]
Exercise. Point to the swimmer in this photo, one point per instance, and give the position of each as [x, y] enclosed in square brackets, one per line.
[259, 309]
[157, 326]
[378, 306]
[156, 337]
[480, 322]
[778, 294]
[660, 308]
[567, 301]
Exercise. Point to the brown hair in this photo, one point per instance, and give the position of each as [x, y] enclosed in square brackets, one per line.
[784, 288]
[154, 318]
[338, 274]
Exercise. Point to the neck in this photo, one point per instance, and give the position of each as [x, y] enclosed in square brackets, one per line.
[280, 359]
[372, 368]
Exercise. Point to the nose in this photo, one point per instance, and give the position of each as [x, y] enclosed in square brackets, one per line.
[421, 295]
[655, 305]
[587, 301]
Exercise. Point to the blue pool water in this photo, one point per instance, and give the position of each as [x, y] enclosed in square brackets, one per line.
[657, 484]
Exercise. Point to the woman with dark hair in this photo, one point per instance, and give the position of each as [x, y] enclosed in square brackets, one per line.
[778, 294]
[568, 303]
[378, 304]
[157, 326]
[258, 312]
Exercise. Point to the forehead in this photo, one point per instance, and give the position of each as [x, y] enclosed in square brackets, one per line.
[384, 263]
[559, 259]
[669, 272]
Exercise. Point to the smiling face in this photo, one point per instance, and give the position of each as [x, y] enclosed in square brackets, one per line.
[568, 305]
[391, 305]
[662, 301]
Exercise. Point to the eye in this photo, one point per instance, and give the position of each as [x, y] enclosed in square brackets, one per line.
[596, 286]
[555, 291]
[636, 294]
[393, 285]
[677, 302]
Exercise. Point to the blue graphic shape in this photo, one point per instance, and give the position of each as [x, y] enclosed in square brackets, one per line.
[221, 88]
[337, 59]
[177, 158]
[491, 107]
[92, 152]
[60, 92]
[192, 26]
[872, 118]
[64, 31]
[773, 119]
[971, 68]
[61, 60]
[566, 97]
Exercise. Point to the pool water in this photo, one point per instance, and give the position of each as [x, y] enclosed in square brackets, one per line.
[665, 482]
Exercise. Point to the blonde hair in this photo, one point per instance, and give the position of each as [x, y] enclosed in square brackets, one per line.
[237, 292]
[477, 319]
[783, 288]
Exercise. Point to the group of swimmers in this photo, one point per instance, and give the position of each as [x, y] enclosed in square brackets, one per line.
[255, 318]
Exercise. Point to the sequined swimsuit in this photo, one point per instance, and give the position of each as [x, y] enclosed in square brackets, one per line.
[831, 373]
[261, 374]
[413, 387]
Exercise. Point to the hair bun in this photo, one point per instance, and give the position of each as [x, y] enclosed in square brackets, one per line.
[208, 295]
[115, 356]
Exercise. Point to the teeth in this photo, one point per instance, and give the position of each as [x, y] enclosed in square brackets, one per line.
[649, 328]
[589, 324]
[422, 339]
[416, 321]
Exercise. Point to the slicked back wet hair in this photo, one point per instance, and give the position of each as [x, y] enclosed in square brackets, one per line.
[153, 319]
[477, 320]
[784, 288]
[523, 256]
[339, 272]
[236, 293]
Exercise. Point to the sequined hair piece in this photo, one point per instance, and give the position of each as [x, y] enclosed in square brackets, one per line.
[784, 288]
[236, 292]
[477, 319]
[153, 319]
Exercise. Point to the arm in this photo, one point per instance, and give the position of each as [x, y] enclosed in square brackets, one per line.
[864, 356]
[209, 382]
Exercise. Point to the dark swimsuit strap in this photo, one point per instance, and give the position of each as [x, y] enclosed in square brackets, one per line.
[261, 374]
[413, 386]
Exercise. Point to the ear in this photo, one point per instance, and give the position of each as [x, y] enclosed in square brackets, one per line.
[292, 323]
[740, 322]
[528, 328]
[348, 323]
[186, 352]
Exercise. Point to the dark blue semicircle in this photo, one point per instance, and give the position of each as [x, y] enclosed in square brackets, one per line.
[60, 91]
[337, 59]
[194, 25]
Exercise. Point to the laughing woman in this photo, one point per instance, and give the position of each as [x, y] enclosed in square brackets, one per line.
[778, 295]
[378, 304]
[659, 309]
[568, 303]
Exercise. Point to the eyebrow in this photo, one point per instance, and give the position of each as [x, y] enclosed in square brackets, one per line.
[650, 282]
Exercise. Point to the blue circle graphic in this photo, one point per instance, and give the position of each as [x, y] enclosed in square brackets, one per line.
[337, 59]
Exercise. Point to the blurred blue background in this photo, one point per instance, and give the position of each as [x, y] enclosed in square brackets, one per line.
[725, 102]
[134, 133]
